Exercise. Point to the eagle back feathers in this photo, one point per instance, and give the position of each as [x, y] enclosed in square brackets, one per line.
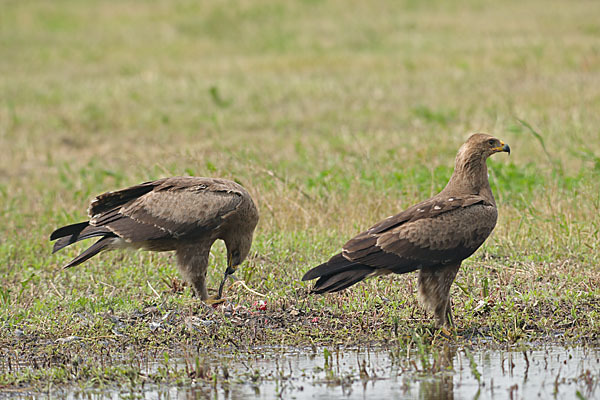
[437, 231]
[170, 208]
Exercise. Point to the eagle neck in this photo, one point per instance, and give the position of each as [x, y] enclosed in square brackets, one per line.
[470, 176]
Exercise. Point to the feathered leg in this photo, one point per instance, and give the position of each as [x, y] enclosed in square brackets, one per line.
[434, 292]
[192, 262]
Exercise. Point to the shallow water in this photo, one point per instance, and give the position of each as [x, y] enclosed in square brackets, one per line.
[545, 373]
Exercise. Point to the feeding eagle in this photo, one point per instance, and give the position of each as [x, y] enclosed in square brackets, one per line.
[433, 236]
[185, 214]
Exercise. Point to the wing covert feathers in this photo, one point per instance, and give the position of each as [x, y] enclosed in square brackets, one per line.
[158, 214]
[111, 200]
[172, 208]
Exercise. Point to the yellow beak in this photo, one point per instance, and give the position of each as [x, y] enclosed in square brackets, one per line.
[503, 147]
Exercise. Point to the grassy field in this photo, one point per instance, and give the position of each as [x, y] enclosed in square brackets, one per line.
[333, 115]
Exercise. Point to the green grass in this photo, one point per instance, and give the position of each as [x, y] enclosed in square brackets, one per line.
[333, 116]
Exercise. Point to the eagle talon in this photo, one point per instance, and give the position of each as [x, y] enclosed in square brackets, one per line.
[445, 332]
[214, 300]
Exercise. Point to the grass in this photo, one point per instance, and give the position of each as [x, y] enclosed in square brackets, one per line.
[333, 116]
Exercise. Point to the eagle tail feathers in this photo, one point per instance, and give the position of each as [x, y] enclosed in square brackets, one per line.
[342, 280]
[70, 234]
[335, 264]
[73, 229]
[337, 274]
[91, 251]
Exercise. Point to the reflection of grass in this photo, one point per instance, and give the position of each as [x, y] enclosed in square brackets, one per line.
[333, 117]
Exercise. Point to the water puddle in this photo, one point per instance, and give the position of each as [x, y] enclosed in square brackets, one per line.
[546, 373]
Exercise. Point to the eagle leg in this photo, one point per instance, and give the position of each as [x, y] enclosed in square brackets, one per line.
[434, 292]
[192, 265]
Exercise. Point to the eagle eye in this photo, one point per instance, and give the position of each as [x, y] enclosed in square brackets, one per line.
[492, 142]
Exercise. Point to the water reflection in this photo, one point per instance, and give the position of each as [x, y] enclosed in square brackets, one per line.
[444, 372]
[440, 384]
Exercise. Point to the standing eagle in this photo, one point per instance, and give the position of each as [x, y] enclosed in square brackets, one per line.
[185, 214]
[433, 236]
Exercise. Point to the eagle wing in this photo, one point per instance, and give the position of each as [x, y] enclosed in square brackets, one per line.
[437, 231]
[171, 208]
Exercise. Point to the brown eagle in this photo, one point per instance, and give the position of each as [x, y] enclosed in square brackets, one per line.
[185, 214]
[433, 236]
